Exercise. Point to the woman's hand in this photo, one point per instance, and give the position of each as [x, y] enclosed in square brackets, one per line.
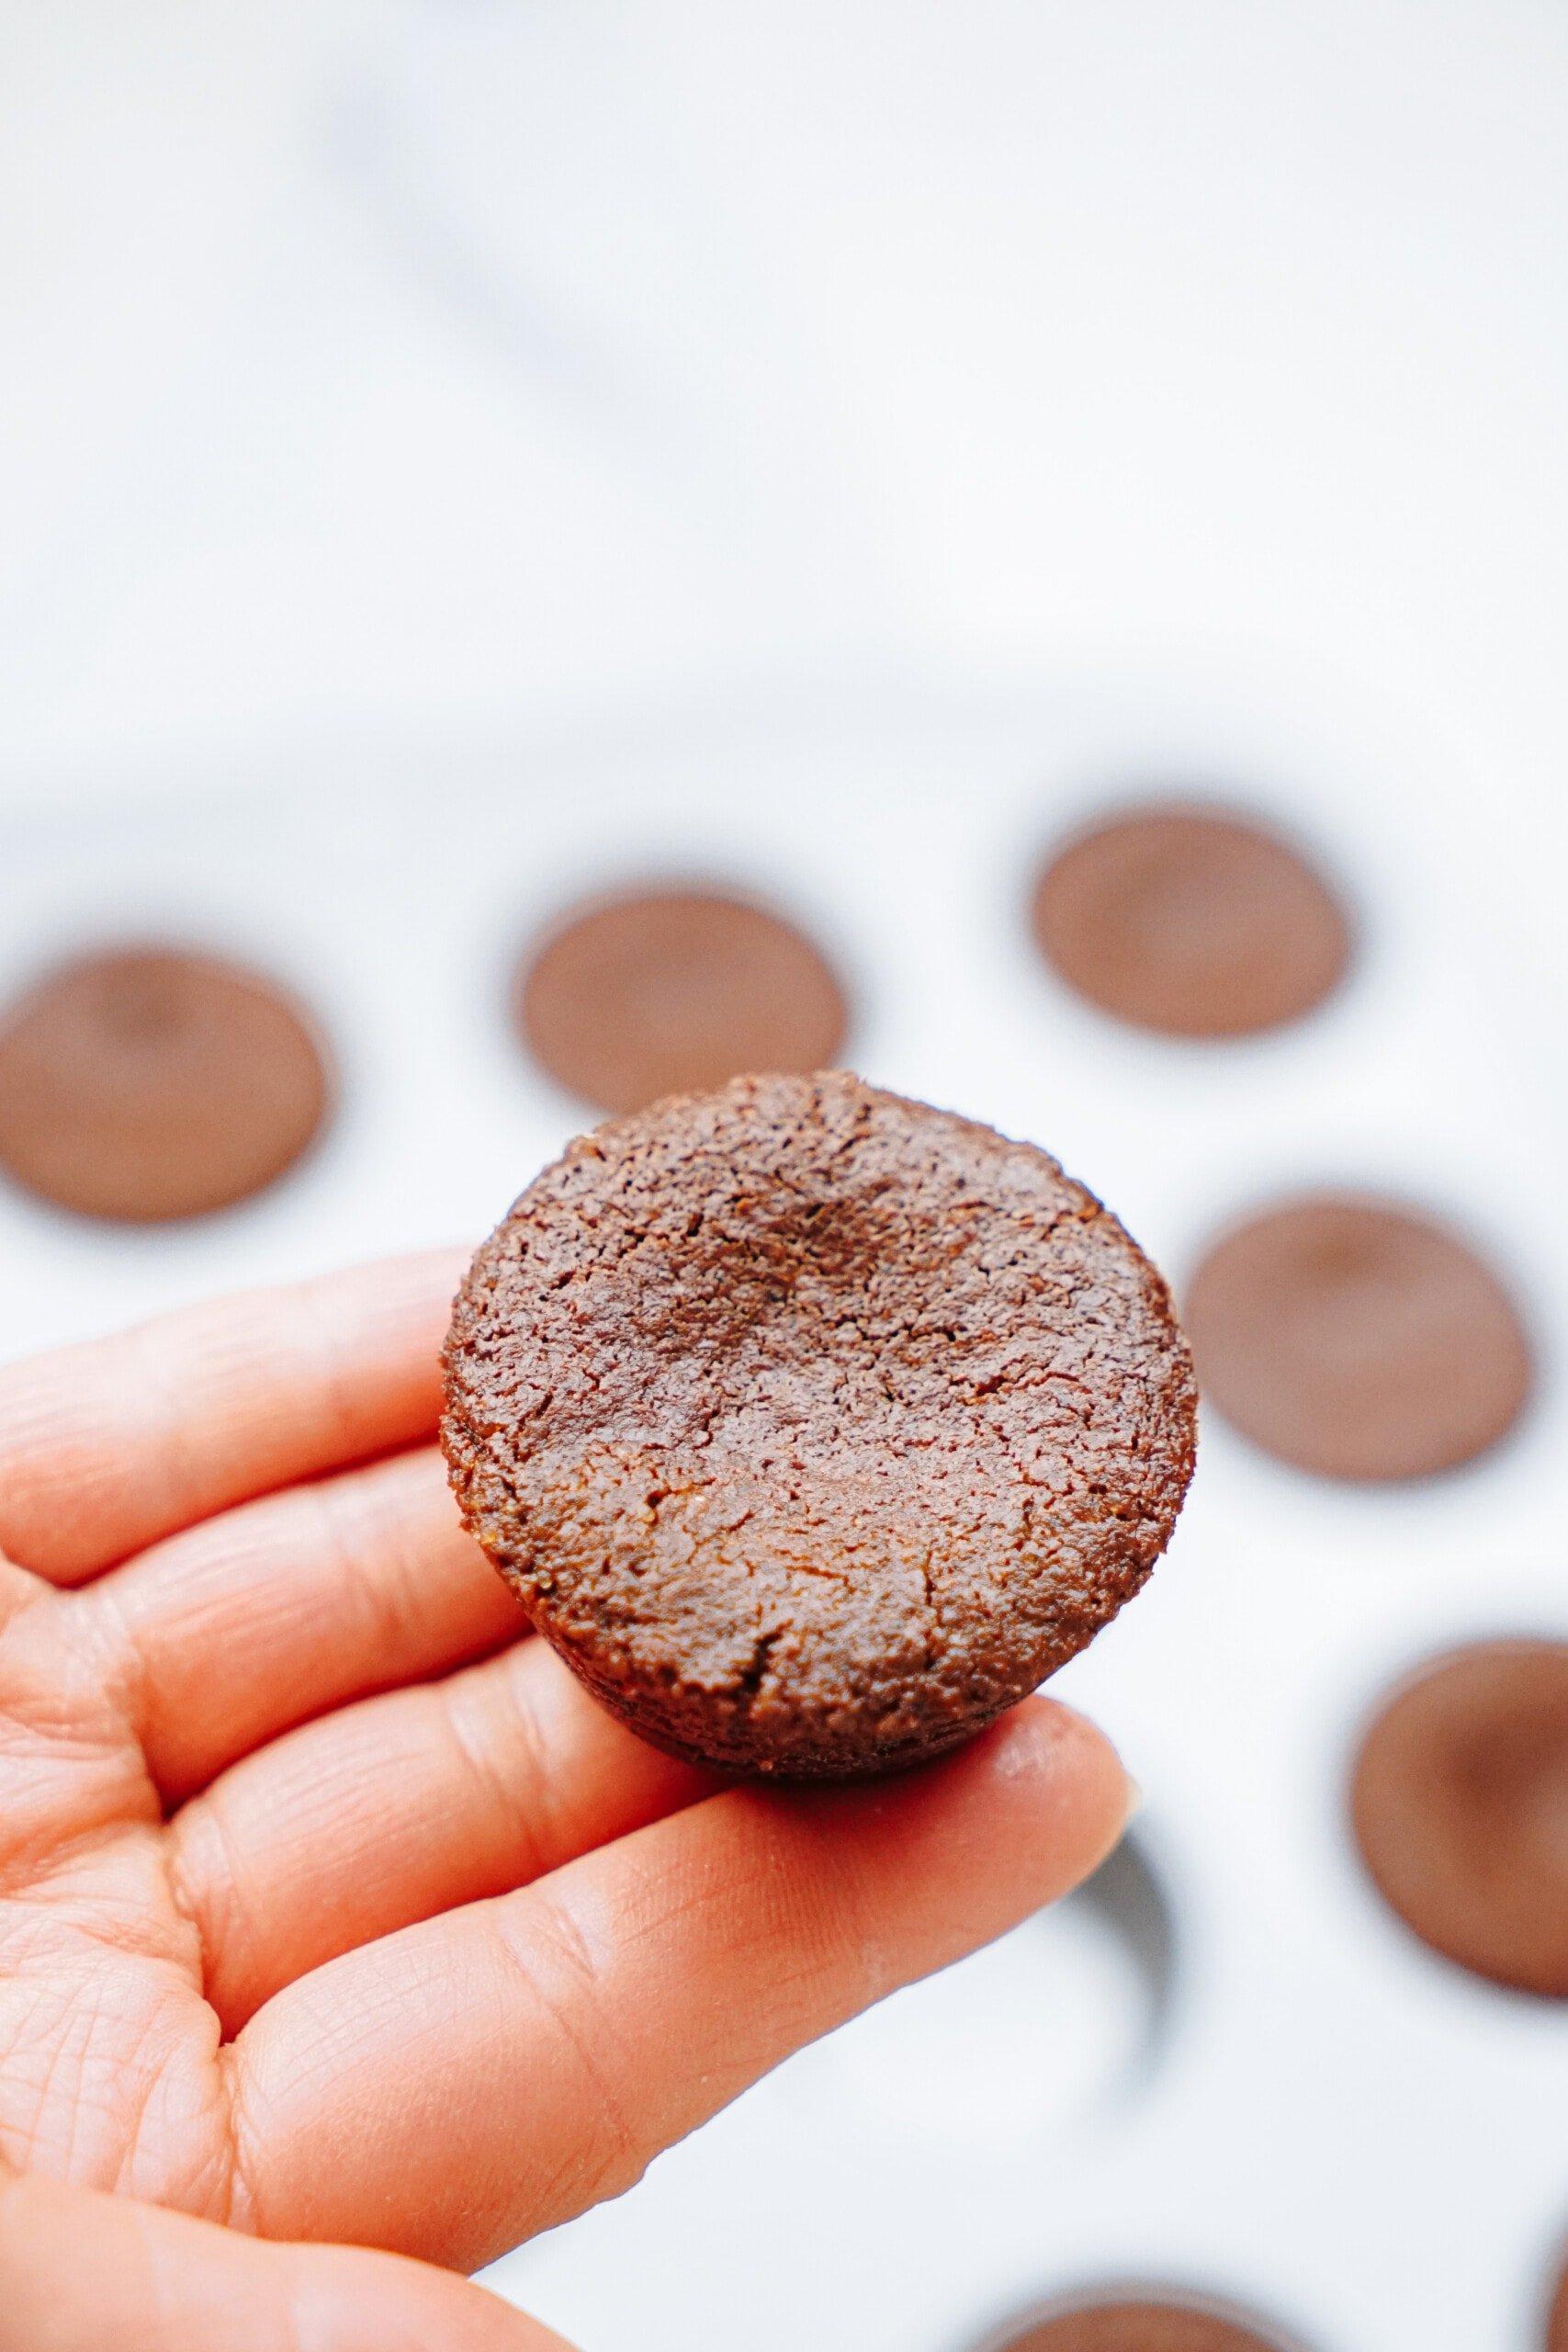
[330, 1907]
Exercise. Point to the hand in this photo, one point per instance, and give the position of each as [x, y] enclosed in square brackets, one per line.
[330, 1907]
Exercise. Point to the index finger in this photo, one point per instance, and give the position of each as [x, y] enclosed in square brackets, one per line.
[109, 1446]
[486, 2074]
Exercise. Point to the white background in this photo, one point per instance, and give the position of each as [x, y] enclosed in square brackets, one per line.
[382, 369]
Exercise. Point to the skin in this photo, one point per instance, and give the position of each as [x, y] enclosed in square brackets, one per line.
[344, 1940]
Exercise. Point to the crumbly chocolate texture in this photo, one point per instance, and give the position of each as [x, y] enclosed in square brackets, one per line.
[812, 1426]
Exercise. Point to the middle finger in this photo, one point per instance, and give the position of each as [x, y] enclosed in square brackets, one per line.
[271, 1613]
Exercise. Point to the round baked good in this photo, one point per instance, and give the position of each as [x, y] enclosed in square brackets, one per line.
[145, 1083]
[1140, 2323]
[1192, 920]
[1460, 1804]
[658, 992]
[1356, 1338]
[1557, 2317]
[812, 1426]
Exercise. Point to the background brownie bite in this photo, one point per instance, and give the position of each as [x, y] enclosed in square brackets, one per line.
[655, 992]
[814, 1427]
[146, 1084]
[1136, 2324]
[1556, 2338]
[1191, 920]
[1460, 1804]
[1356, 1338]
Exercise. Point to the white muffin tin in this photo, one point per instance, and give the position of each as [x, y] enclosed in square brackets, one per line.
[1226, 2066]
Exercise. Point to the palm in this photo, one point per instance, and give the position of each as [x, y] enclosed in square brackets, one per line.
[329, 1906]
[109, 2067]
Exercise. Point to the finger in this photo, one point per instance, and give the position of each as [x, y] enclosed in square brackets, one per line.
[109, 1446]
[264, 1616]
[487, 2074]
[402, 1807]
[157, 2277]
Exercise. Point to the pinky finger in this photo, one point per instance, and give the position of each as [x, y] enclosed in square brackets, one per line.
[157, 2277]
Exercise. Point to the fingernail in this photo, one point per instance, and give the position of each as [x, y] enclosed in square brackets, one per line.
[1135, 1797]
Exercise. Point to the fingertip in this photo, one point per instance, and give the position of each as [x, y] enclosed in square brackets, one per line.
[969, 1845]
[334, 2291]
[1022, 1813]
[1069, 1771]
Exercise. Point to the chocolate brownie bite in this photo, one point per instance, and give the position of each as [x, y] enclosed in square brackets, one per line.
[146, 1084]
[1460, 1804]
[1357, 1338]
[1192, 920]
[659, 991]
[812, 1426]
[1139, 2324]
[1556, 2338]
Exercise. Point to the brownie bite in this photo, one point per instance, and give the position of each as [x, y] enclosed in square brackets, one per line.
[664, 991]
[1557, 2317]
[1458, 1801]
[1359, 1339]
[812, 1426]
[146, 1084]
[1192, 920]
[1144, 2325]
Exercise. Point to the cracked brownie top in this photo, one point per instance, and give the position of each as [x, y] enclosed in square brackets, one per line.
[813, 1426]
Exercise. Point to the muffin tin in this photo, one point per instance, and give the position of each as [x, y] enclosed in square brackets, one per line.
[1224, 2068]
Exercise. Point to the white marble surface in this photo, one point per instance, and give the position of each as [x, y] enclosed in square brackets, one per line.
[377, 369]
